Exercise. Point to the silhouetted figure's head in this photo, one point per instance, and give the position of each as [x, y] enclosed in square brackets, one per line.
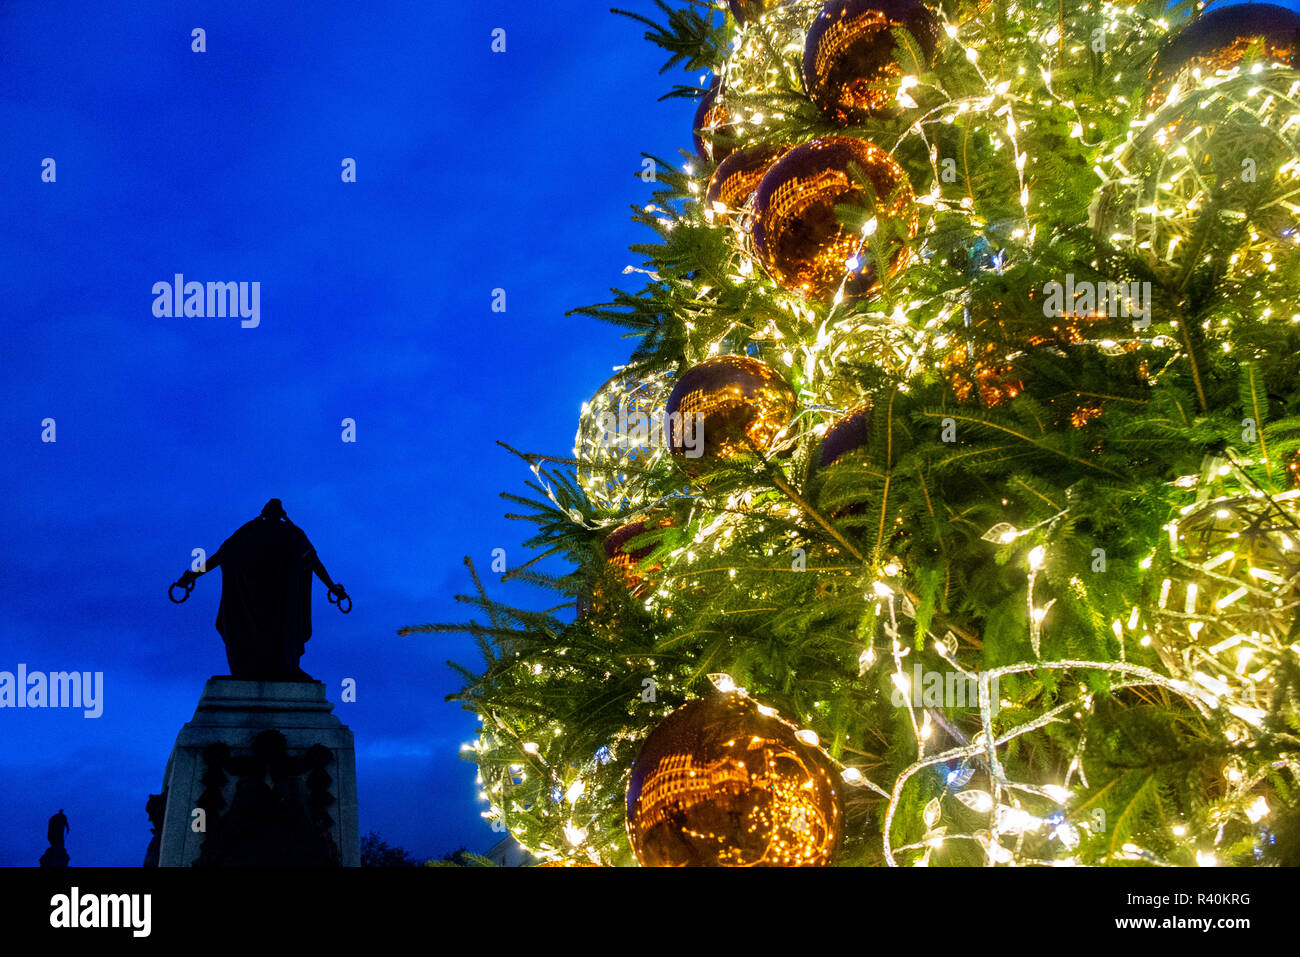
[274, 510]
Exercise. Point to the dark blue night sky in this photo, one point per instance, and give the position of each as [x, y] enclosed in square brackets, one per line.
[475, 171]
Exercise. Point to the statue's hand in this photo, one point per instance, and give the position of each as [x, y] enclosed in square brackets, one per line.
[338, 595]
[185, 583]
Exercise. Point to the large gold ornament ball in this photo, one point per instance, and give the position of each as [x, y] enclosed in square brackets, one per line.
[984, 378]
[727, 406]
[721, 784]
[978, 366]
[737, 179]
[1221, 39]
[849, 65]
[846, 435]
[713, 120]
[796, 231]
[1225, 590]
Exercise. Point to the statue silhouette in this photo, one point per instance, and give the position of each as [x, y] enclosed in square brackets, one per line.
[55, 855]
[57, 829]
[265, 612]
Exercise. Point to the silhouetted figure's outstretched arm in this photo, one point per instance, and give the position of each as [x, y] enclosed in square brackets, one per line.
[273, 512]
[215, 562]
[319, 568]
[190, 574]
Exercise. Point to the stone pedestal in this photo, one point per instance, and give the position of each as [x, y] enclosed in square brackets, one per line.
[55, 857]
[272, 775]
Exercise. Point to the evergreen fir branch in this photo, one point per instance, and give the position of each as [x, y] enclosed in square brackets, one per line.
[983, 422]
[482, 594]
[1139, 804]
[790, 76]
[519, 570]
[687, 36]
[907, 52]
[1255, 402]
[549, 582]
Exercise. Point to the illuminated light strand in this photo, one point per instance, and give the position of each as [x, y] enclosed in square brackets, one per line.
[987, 747]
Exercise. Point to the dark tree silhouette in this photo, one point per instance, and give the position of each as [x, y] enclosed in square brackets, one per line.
[457, 857]
[377, 853]
[462, 857]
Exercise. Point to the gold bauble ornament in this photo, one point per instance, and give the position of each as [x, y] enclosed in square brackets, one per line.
[848, 58]
[712, 119]
[797, 234]
[737, 179]
[981, 373]
[1225, 589]
[989, 357]
[738, 402]
[719, 783]
[978, 366]
[567, 862]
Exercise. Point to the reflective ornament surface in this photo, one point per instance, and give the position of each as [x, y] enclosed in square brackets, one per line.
[721, 406]
[567, 862]
[979, 373]
[720, 784]
[737, 179]
[711, 119]
[849, 66]
[796, 232]
[847, 434]
[626, 559]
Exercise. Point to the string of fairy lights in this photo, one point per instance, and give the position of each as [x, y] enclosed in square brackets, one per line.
[1150, 193]
[1155, 188]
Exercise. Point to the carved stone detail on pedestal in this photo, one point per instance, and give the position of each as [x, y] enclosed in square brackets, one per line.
[274, 820]
[272, 773]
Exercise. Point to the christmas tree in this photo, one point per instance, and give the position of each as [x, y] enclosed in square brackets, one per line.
[944, 511]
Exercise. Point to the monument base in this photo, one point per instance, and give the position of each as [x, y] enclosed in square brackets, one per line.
[55, 857]
[263, 776]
